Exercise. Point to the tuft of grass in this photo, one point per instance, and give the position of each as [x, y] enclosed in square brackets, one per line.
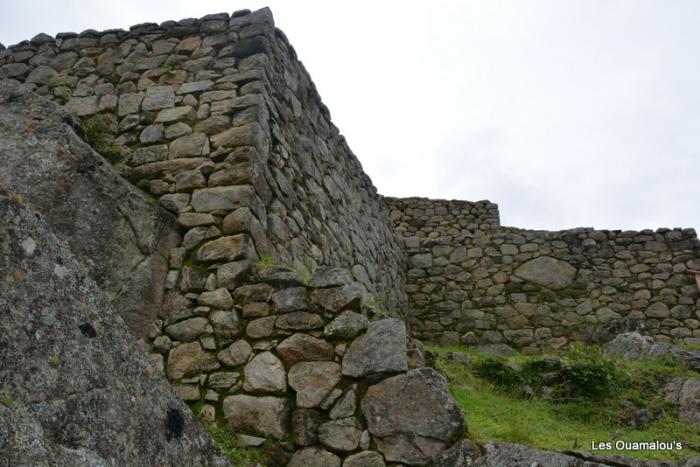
[239, 455]
[7, 401]
[265, 262]
[96, 132]
[498, 412]
[15, 198]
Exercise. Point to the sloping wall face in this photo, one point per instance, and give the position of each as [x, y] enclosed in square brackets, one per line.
[221, 124]
[471, 280]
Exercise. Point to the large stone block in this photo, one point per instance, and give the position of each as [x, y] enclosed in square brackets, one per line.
[547, 272]
[235, 247]
[382, 349]
[412, 416]
[264, 416]
[223, 197]
[313, 381]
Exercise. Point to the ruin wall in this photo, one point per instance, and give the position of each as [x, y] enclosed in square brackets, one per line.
[471, 280]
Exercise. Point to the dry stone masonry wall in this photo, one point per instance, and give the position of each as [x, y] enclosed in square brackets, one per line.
[470, 279]
[218, 120]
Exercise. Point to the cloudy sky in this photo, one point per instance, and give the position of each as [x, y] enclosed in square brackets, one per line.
[565, 113]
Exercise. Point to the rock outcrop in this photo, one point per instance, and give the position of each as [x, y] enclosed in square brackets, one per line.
[76, 387]
[119, 235]
[635, 346]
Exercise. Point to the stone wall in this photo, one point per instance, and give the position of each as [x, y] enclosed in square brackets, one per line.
[283, 356]
[470, 279]
[219, 122]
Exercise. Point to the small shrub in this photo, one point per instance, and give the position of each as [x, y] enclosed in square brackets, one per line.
[7, 401]
[239, 455]
[265, 262]
[97, 134]
[497, 372]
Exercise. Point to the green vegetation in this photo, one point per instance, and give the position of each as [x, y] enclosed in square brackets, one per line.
[304, 272]
[568, 400]
[265, 262]
[7, 401]
[97, 133]
[242, 456]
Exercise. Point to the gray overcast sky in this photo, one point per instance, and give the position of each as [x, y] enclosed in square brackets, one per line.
[565, 113]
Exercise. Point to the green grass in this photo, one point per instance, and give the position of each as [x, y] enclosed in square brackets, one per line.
[239, 455]
[495, 413]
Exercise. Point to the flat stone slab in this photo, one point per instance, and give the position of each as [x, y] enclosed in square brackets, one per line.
[547, 272]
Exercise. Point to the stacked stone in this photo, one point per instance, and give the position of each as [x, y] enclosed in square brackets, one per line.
[282, 356]
[216, 115]
[472, 281]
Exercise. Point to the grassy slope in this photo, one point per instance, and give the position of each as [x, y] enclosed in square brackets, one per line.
[494, 414]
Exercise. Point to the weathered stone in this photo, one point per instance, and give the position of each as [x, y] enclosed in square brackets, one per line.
[340, 435]
[265, 373]
[130, 103]
[462, 453]
[290, 299]
[235, 354]
[685, 394]
[329, 277]
[187, 330]
[658, 310]
[247, 135]
[82, 106]
[150, 154]
[313, 381]
[195, 219]
[303, 347]
[261, 328]
[187, 392]
[381, 349]
[91, 373]
[231, 248]
[412, 416]
[219, 298]
[224, 197]
[226, 324]
[191, 145]
[177, 129]
[174, 114]
[345, 405]
[265, 416]
[187, 359]
[634, 346]
[305, 424]
[152, 134]
[231, 275]
[158, 97]
[196, 86]
[314, 457]
[347, 325]
[299, 321]
[366, 459]
[547, 272]
[222, 380]
[121, 236]
[213, 125]
[189, 44]
[335, 299]
[42, 75]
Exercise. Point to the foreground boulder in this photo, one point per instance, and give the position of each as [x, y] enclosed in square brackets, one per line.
[684, 393]
[635, 346]
[113, 229]
[76, 386]
[412, 416]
